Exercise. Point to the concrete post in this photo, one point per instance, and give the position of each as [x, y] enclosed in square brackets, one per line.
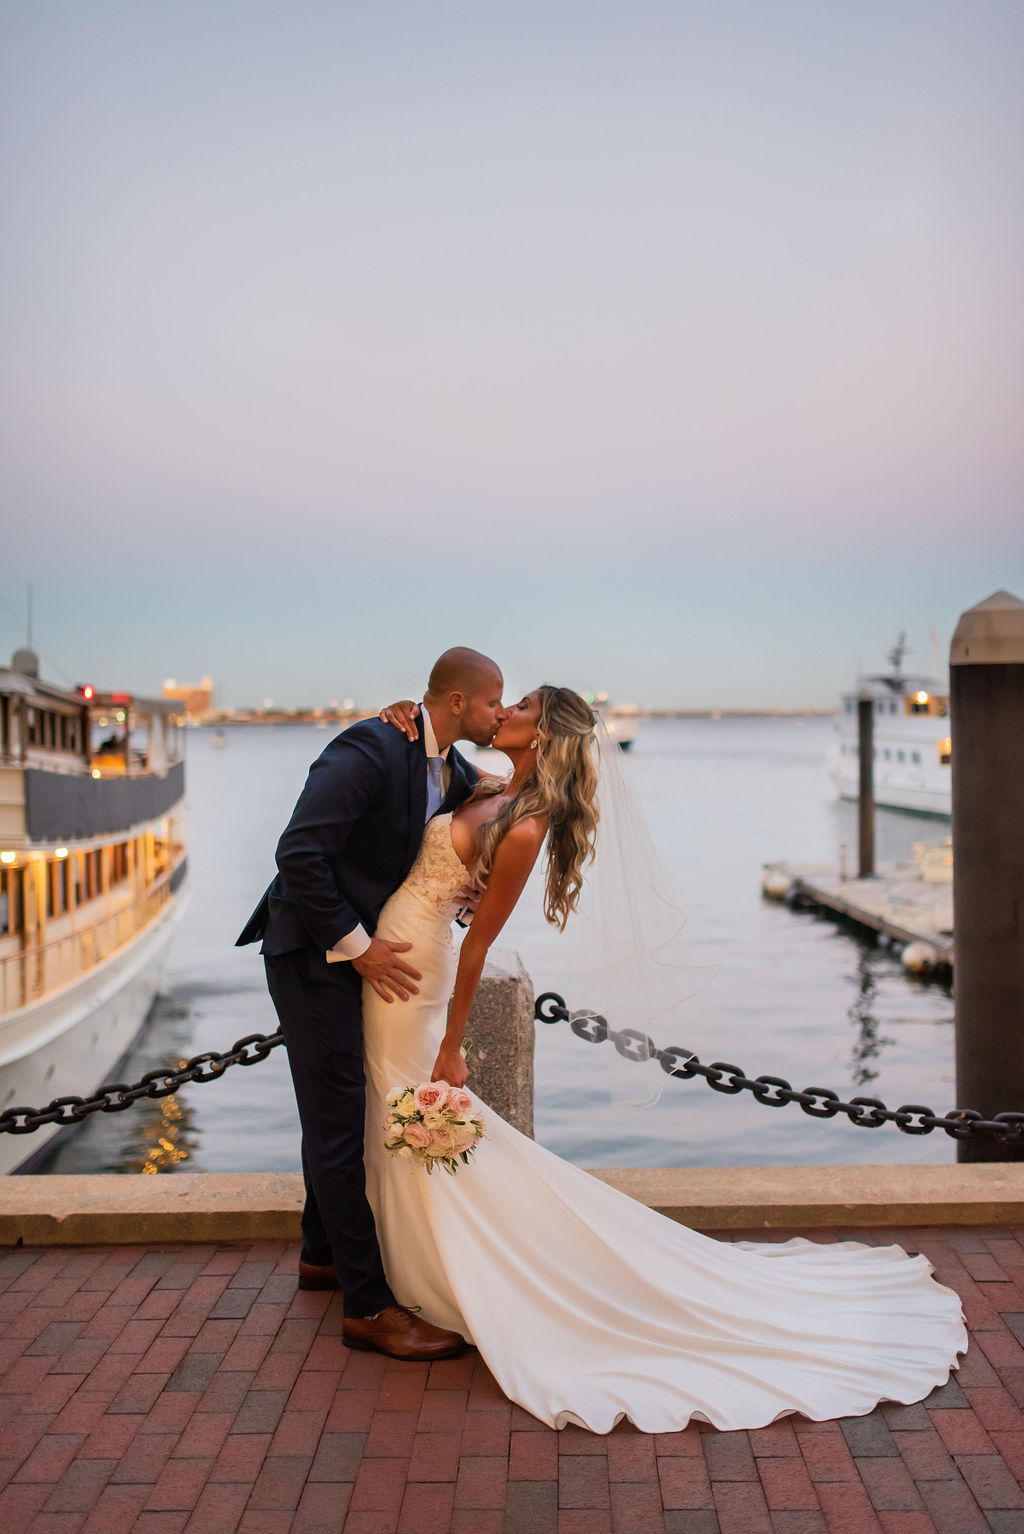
[986, 694]
[866, 788]
[501, 1034]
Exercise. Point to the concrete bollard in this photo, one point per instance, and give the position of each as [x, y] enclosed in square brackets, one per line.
[986, 694]
[501, 1034]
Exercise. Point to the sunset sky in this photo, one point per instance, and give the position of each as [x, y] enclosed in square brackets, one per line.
[672, 347]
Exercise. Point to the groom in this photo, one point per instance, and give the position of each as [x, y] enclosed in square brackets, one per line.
[351, 841]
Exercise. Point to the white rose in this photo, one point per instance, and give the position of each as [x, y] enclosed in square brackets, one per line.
[464, 1135]
[404, 1150]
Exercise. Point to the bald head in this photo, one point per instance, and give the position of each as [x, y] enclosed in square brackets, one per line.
[464, 697]
[462, 670]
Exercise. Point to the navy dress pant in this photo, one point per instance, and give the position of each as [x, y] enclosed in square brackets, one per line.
[319, 1006]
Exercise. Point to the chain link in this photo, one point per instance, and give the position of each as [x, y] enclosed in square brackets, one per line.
[720, 1075]
[161, 1082]
[776, 1091]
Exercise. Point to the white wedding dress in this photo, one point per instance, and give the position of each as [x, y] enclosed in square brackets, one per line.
[588, 1307]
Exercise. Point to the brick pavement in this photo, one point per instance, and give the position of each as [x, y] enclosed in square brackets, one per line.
[193, 1389]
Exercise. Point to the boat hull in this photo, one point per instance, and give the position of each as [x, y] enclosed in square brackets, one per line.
[919, 801]
[69, 1042]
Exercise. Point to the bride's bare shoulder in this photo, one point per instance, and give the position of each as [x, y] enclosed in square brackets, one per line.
[527, 834]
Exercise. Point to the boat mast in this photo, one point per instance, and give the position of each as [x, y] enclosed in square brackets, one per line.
[898, 651]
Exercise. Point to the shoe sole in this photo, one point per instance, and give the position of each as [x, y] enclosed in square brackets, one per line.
[359, 1346]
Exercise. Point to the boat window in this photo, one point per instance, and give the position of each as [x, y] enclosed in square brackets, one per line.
[11, 900]
[901, 756]
[887, 754]
[118, 863]
[945, 748]
[87, 876]
[892, 707]
[57, 888]
[849, 705]
[915, 756]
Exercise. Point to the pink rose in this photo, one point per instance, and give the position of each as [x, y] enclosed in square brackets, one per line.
[415, 1134]
[442, 1142]
[459, 1101]
[431, 1095]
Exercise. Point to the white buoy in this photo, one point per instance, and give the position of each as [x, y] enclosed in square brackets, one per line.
[920, 958]
[775, 884]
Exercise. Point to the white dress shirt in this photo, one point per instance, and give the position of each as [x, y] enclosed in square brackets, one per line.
[358, 940]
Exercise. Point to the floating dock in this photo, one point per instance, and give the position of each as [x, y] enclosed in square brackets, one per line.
[910, 904]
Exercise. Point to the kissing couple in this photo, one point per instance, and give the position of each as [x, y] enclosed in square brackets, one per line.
[586, 1306]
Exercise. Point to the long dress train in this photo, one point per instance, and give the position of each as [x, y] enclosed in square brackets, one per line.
[589, 1307]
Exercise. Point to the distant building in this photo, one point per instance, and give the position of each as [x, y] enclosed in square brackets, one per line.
[196, 700]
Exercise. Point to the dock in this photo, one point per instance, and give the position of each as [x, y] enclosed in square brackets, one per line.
[910, 904]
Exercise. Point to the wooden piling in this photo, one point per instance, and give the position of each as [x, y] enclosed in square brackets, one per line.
[987, 728]
[866, 787]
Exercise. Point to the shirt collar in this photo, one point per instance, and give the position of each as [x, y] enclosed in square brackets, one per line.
[429, 738]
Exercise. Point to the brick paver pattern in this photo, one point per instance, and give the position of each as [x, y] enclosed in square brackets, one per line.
[194, 1389]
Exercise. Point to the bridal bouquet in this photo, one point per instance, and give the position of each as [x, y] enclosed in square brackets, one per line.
[434, 1123]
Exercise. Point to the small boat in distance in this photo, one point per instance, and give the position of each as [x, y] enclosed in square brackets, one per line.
[622, 719]
[93, 860]
[912, 746]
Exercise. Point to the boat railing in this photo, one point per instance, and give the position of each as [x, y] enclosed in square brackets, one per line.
[34, 972]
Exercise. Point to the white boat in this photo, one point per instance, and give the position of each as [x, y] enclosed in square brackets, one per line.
[93, 859]
[912, 747]
[622, 719]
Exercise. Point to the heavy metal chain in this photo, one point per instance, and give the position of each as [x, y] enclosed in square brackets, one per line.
[159, 1083]
[772, 1091]
[775, 1091]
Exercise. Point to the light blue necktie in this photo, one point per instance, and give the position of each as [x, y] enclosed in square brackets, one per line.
[435, 791]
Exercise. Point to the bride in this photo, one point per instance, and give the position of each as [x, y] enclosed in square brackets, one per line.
[587, 1306]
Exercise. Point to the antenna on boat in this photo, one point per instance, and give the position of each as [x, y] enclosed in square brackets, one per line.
[28, 625]
[898, 651]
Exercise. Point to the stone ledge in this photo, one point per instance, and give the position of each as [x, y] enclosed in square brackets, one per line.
[238, 1206]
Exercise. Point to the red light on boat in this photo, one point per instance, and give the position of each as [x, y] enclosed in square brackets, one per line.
[88, 692]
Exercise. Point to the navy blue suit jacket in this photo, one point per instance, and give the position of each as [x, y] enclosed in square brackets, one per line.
[352, 838]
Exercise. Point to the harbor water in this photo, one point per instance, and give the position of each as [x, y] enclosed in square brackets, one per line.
[795, 996]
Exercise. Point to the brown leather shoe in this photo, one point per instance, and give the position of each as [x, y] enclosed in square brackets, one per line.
[313, 1275]
[400, 1333]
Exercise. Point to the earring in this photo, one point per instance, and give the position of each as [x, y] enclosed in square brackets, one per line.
[534, 744]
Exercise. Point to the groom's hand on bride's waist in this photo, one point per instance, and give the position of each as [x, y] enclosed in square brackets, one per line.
[386, 972]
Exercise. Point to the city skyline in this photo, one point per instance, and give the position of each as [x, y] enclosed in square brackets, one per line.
[669, 351]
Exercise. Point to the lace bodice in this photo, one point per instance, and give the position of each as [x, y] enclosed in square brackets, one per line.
[438, 872]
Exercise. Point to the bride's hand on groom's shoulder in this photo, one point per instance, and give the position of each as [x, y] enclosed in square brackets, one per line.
[403, 716]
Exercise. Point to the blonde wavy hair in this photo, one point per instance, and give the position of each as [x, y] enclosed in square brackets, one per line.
[563, 789]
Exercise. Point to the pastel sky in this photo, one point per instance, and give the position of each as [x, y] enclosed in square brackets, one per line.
[672, 347]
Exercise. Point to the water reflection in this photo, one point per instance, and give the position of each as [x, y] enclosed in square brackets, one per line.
[868, 1042]
[153, 1135]
[167, 1141]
